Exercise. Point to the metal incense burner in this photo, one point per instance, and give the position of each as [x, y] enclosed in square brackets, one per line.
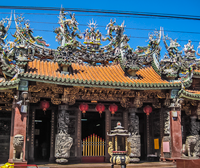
[119, 156]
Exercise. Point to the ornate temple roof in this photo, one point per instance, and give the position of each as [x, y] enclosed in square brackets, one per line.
[196, 72]
[97, 76]
[190, 94]
[92, 64]
[11, 84]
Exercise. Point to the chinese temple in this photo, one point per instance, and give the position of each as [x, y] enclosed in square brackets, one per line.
[59, 105]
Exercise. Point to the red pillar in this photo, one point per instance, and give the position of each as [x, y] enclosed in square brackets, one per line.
[18, 126]
[176, 134]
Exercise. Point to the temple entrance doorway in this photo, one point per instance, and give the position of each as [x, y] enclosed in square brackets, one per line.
[143, 136]
[42, 135]
[93, 137]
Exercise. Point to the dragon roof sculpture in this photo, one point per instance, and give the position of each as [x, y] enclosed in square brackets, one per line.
[26, 47]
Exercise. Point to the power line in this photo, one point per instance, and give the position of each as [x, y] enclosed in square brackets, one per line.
[131, 13]
[130, 28]
[51, 31]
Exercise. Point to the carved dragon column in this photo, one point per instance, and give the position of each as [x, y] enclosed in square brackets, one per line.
[134, 139]
[63, 141]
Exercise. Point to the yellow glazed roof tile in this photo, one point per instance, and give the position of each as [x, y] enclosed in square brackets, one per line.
[112, 73]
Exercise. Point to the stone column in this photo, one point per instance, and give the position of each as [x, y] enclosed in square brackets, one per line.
[63, 141]
[134, 139]
[31, 156]
[51, 159]
[148, 136]
[12, 133]
[18, 135]
[194, 127]
[125, 120]
[78, 135]
[176, 133]
[107, 129]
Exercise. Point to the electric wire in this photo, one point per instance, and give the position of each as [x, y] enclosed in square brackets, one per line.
[128, 28]
[51, 31]
[125, 13]
[130, 13]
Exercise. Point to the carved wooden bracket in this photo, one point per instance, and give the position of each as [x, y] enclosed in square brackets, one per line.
[156, 103]
[46, 88]
[46, 91]
[96, 94]
[138, 103]
[7, 107]
[71, 94]
[187, 108]
[167, 100]
[6, 97]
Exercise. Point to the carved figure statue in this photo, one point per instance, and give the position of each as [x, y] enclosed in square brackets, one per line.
[191, 148]
[189, 49]
[18, 144]
[87, 35]
[4, 30]
[98, 36]
[198, 50]
[110, 27]
[173, 47]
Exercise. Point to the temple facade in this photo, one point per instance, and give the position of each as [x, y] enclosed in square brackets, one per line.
[59, 105]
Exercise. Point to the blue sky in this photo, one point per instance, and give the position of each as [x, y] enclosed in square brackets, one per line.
[183, 7]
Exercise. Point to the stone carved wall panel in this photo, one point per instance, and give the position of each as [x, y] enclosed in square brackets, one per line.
[18, 144]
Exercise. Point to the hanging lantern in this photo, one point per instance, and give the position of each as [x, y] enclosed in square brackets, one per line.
[113, 108]
[147, 109]
[44, 105]
[100, 108]
[83, 107]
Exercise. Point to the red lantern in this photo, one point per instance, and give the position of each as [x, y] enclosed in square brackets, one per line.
[113, 108]
[147, 109]
[100, 108]
[44, 105]
[83, 107]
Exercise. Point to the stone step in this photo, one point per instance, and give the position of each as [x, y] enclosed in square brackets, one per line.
[108, 165]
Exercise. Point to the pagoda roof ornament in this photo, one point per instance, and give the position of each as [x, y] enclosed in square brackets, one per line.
[176, 66]
[4, 29]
